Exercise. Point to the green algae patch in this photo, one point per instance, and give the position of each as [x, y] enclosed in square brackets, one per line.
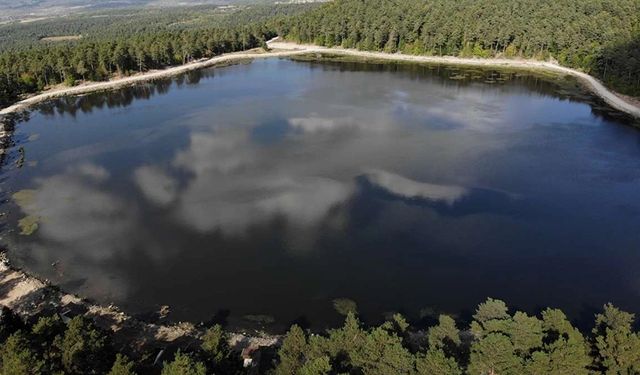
[260, 319]
[344, 306]
[24, 198]
[28, 224]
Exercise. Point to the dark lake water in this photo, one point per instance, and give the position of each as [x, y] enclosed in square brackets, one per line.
[270, 189]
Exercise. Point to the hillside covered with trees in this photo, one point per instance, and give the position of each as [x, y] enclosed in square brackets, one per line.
[600, 37]
[495, 342]
[126, 43]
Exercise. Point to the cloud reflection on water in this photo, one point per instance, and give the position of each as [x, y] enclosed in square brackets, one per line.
[319, 181]
[80, 222]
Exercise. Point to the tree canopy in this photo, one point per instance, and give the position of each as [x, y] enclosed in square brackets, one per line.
[600, 37]
[496, 341]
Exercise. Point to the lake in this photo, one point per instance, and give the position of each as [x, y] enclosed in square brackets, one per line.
[259, 193]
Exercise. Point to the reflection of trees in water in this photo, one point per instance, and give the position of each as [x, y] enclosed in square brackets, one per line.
[563, 88]
[560, 87]
[71, 105]
[122, 97]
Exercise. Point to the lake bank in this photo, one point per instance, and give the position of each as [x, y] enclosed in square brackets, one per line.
[615, 100]
[30, 297]
[287, 49]
[364, 101]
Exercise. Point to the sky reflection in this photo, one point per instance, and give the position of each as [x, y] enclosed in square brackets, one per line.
[275, 187]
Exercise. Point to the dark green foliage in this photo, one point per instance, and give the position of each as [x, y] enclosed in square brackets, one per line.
[9, 323]
[348, 349]
[617, 345]
[214, 344]
[98, 59]
[85, 349]
[601, 37]
[47, 336]
[122, 366]
[497, 342]
[293, 352]
[216, 352]
[491, 309]
[382, 353]
[17, 358]
[445, 334]
[317, 366]
[435, 361]
[126, 43]
[183, 364]
[564, 350]
[494, 354]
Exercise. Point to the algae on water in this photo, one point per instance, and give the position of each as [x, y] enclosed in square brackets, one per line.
[28, 224]
[261, 319]
[24, 198]
[345, 306]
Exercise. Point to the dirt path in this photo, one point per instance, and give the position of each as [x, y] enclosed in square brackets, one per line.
[629, 106]
[144, 77]
[284, 49]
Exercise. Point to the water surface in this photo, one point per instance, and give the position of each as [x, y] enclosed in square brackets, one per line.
[270, 189]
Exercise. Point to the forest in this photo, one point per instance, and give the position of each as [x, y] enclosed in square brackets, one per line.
[121, 44]
[495, 342]
[599, 37]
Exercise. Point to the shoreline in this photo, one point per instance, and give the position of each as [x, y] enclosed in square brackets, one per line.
[28, 296]
[287, 49]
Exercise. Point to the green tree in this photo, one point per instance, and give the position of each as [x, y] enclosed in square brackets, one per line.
[564, 351]
[218, 355]
[494, 354]
[382, 353]
[46, 336]
[122, 366]
[525, 333]
[183, 364]
[435, 361]
[491, 309]
[445, 335]
[293, 352]
[17, 358]
[85, 349]
[617, 345]
[316, 366]
[214, 344]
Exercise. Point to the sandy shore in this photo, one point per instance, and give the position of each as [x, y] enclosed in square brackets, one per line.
[30, 297]
[144, 77]
[615, 100]
[284, 49]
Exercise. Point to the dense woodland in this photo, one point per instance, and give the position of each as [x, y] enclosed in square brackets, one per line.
[496, 342]
[600, 37]
[122, 44]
